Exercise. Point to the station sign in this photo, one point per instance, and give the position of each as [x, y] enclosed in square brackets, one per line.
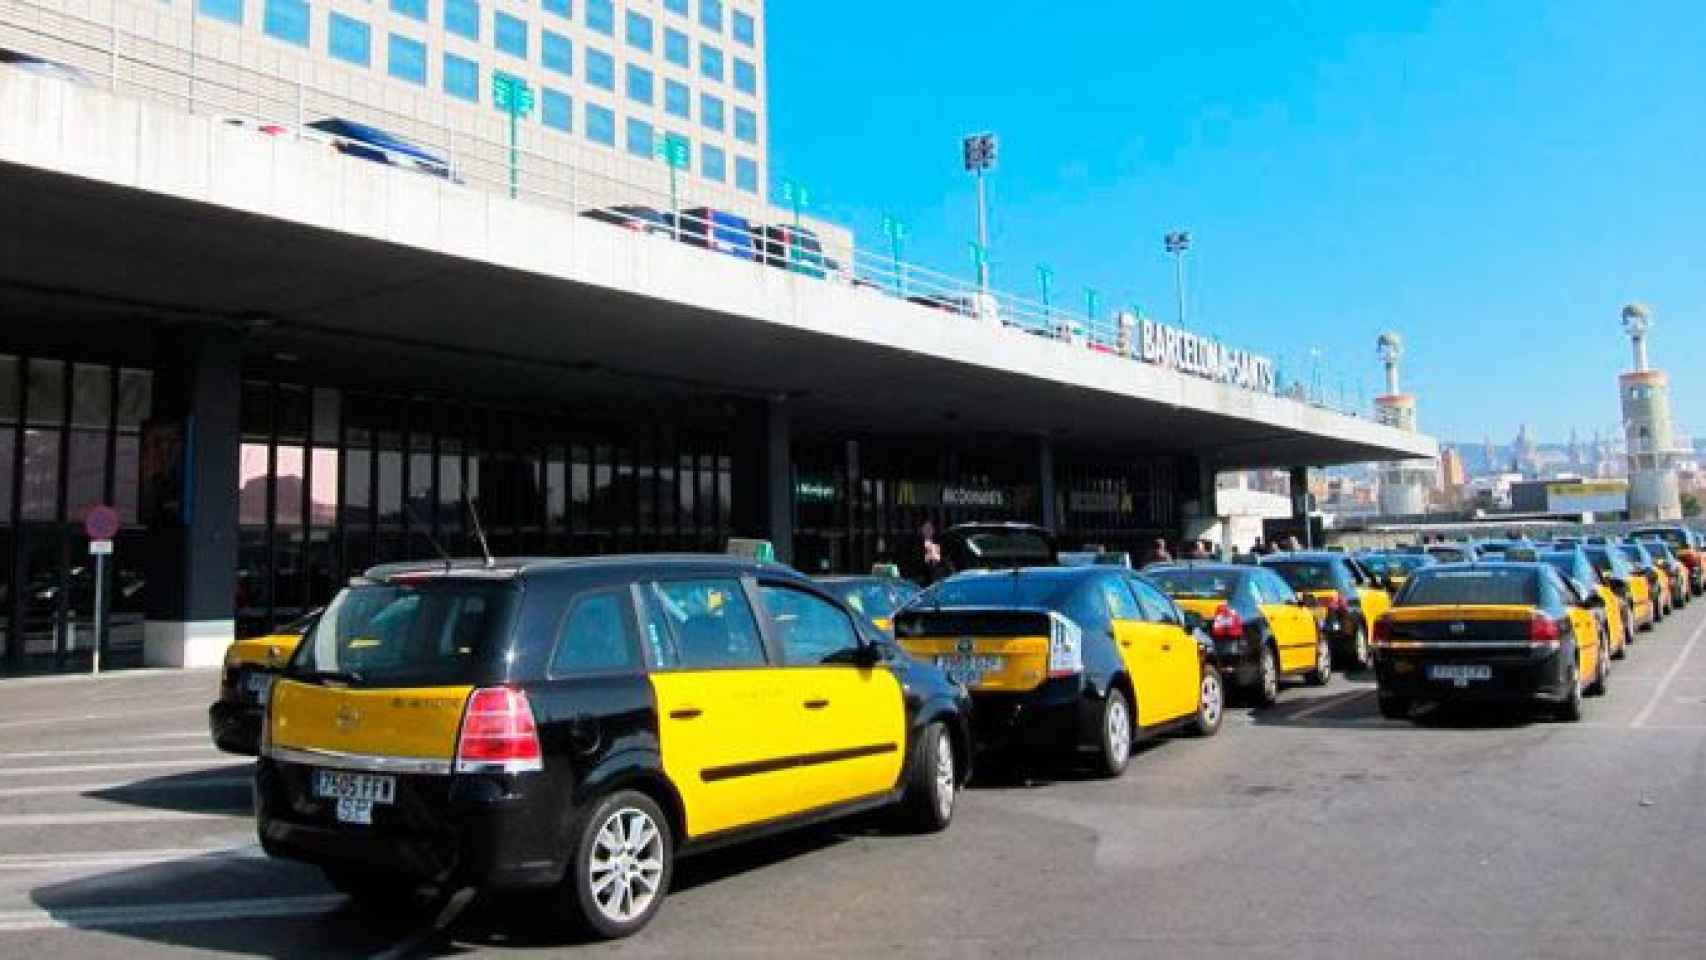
[1181, 350]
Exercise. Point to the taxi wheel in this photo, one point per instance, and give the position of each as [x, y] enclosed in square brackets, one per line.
[623, 859]
[1570, 710]
[1628, 634]
[1364, 652]
[1266, 691]
[1323, 672]
[1114, 746]
[1602, 670]
[932, 783]
[1211, 702]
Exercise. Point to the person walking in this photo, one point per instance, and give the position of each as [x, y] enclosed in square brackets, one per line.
[1157, 553]
[936, 566]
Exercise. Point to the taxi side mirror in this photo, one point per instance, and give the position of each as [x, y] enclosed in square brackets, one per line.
[868, 653]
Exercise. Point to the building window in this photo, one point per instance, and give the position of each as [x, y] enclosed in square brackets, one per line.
[600, 69]
[677, 100]
[746, 174]
[675, 48]
[461, 77]
[561, 8]
[745, 29]
[413, 9]
[711, 14]
[230, 11]
[746, 77]
[556, 110]
[600, 125]
[711, 111]
[710, 62]
[509, 34]
[639, 31]
[600, 17]
[287, 20]
[746, 125]
[713, 164]
[640, 85]
[462, 17]
[349, 39]
[405, 59]
[556, 52]
[640, 139]
[676, 6]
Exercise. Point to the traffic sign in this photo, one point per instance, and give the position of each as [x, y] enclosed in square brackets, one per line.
[100, 548]
[674, 150]
[511, 94]
[101, 522]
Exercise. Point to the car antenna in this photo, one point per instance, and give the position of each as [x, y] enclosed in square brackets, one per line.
[480, 531]
[427, 532]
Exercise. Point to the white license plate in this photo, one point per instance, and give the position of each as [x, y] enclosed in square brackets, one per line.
[369, 788]
[259, 685]
[968, 669]
[355, 811]
[1461, 675]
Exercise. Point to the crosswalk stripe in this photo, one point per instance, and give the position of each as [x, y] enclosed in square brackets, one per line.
[86, 717]
[209, 762]
[88, 859]
[157, 913]
[128, 786]
[207, 748]
[112, 816]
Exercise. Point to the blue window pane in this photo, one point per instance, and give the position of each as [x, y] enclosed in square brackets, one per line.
[414, 9]
[562, 8]
[556, 109]
[405, 59]
[710, 62]
[712, 163]
[230, 11]
[287, 20]
[600, 125]
[349, 39]
[509, 34]
[745, 31]
[676, 6]
[600, 69]
[746, 125]
[556, 52]
[461, 77]
[640, 84]
[600, 17]
[746, 174]
[746, 77]
[640, 142]
[711, 111]
[711, 14]
[639, 32]
[675, 47]
[462, 17]
[677, 100]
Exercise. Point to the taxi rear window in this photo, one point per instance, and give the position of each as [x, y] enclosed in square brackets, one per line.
[429, 633]
[1307, 576]
[1195, 584]
[1488, 587]
[1000, 590]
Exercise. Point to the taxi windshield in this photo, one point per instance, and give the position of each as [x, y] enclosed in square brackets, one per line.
[1493, 586]
[870, 599]
[1399, 563]
[1195, 584]
[417, 634]
[1602, 560]
[1675, 538]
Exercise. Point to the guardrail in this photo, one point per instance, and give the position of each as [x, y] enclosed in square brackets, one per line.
[130, 64]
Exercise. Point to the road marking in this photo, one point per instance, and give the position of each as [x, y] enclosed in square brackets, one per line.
[16, 921]
[104, 751]
[1328, 703]
[86, 717]
[128, 786]
[90, 859]
[111, 816]
[207, 763]
[1664, 685]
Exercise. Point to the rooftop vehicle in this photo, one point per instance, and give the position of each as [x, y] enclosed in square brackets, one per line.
[635, 217]
[998, 546]
[1614, 614]
[1262, 630]
[1657, 577]
[1396, 566]
[1064, 659]
[245, 680]
[876, 597]
[791, 248]
[1347, 599]
[572, 726]
[1685, 543]
[1507, 633]
[1631, 585]
[1452, 552]
[718, 230]
[353, 139]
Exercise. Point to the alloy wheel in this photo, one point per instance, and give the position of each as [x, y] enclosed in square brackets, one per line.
[626, 867]
[1119, 730]
[945, 786]
[1213, 698]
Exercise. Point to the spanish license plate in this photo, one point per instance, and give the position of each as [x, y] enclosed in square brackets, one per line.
[356, 793]
[1460, 674]
[968, 669]
[259, 686]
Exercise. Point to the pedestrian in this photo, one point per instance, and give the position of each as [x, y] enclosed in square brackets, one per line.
[1195, 551]
[1259, 548]
[936, 566]
[1157, 553]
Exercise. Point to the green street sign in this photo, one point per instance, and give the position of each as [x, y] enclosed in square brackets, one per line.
[511, 94]
[674, 150]
[794, 194]
[979, 256]
[894, 229]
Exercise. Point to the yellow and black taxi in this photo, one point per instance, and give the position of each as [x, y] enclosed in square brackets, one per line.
[1681, 587]
[877, 597]
[1396, 565]
[574, 725]
[1631, 585]
[1685, 543]
[245, 679]
[1061, 660]
[1501, 632]
[1347, 598]
[1658, 578]
[1615, 611]
[1262, 631]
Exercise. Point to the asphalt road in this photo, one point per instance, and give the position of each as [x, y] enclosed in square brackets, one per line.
[1314, 829]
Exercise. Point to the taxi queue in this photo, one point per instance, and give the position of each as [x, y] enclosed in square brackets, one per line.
[572, 726]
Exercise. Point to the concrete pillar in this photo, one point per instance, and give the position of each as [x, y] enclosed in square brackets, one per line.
[192, 555]
[1300, 506]
[1048, 501]
[764, 475]
[1199, 506]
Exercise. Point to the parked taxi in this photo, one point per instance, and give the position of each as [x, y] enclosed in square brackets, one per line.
[877, 597]
[1505, 633]
[1262, 631]
[1685, 543]
[1067, 659]
[575, 725]
[245, 680]
[1658, 578]
[1574, 564]
[1630, 585]
[1681, 587]
[1396, 566]
[1348, 598]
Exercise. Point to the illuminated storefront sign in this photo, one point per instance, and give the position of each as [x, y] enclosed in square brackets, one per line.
[911, 494]
[1186, 352]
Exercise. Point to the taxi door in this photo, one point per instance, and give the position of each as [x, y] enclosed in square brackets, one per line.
[1295, 632]
[1586, 627]
[1180, 662]
[1376, 600]
[1139, 645]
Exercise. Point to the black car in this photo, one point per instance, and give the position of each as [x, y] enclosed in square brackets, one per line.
[876, 597]
[795, 249]
[998, 546]
[572, 726]
[1348, 598]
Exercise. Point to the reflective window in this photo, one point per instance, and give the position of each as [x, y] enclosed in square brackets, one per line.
[601, 17]
[556, 52]
[230, 11]
[461, 77]
[595, 637]
[600, 69]
[702, 624]
[677, 100]
[1120, 602]
[562, 8]
[746, 125]
[746, 174]
[509, 34]
[349, 39]
[711, 111]
[462, 17]
[711, 14]
[639, 31]
[746, 76]
[675, 47]
[640, 138]
[286, 20]
[405, 59]
[811, 630]
[600, 125]
[745, 30]
[713, 163]
[556, 110]
[710, 62]
[676, 6]
[413, 9]
[640, 85]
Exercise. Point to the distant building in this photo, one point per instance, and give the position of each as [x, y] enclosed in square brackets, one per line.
[1452, 472]
[1654, 491]
[1404, 484]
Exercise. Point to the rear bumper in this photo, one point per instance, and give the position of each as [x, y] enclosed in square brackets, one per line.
[235, 726]
[1238, 661]
[1059, 715]
[1536, 680]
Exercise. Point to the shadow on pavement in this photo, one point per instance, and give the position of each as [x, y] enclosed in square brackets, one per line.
[222, 789]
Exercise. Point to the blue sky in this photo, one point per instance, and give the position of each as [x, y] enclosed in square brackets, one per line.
[1493, 180]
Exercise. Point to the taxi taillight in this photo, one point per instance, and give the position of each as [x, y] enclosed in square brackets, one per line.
[1382, 630]
[1228, 625]
[1543, 631]
[1065, 647]
[498, 734]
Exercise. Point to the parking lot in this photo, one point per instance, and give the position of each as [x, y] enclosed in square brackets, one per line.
[1311, 829]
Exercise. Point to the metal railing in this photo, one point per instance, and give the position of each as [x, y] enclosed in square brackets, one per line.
[137, 66]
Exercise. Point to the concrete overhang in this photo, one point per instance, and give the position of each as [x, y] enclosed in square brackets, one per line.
[118, 211]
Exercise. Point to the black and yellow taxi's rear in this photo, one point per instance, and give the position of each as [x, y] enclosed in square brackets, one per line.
[245, 680]
[574, 725]
[1491, 633]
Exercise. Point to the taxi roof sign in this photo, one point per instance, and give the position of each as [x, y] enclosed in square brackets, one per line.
[761, 550]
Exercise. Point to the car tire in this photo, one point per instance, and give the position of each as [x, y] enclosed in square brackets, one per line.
[1628, 633]
[1265, 692]
[933, 782]
[1114, 732]
[1602, 671]
[1362, 650]
[1394, 707]
[1323, 672]
[1570, 711]
[1211, 702]
[619, 897]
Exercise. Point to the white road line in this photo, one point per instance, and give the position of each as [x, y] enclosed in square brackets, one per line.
[1328, 703]
[16, 921]
[184, 735]
[1664, 685]
[207, 748]
[92, 859]
[208, 762]
[128, 786]
[111, 816]
[86, 717]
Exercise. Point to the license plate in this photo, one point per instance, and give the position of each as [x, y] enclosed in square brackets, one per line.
[259, 686]
[968, 669]
[355, 811]
[1460, 675]
[369, 788]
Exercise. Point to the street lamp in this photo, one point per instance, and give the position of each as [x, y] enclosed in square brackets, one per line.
[675, 152]
[514, 97]
[794, 194]
[895, 230]
[979, 155]
[1177, 243]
